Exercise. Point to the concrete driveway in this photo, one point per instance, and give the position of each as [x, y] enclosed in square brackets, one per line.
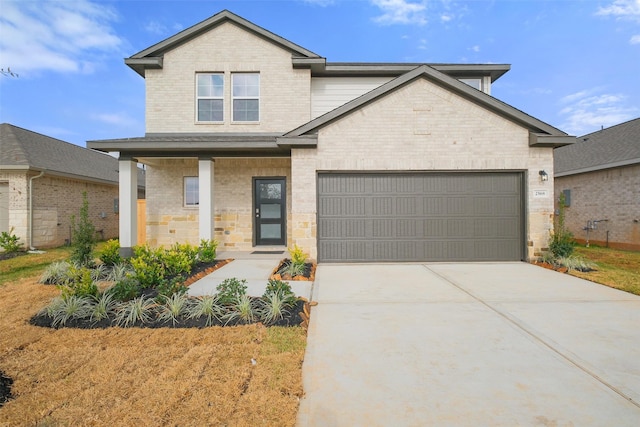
[477, 344]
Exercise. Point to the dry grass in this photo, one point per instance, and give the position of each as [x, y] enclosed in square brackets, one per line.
[144, 377]
[617, 269]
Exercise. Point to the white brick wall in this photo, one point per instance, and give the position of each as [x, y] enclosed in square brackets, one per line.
[284, 92]
[424, 127]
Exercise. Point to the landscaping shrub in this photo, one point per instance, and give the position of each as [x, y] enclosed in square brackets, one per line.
[242, 309]
[561, 244]
[281, 288]
[9, 241]
[125, 289]
[207, 250]
[56, 273]
[168, 287]
[110, 254]
[179, 259]
[148, 265]
[79, 283]
[207, 306]
[84, 236]
[139, 309]
[229, 290]
[297, 255]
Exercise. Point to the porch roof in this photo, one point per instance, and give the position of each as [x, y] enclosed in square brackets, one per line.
[204, 145]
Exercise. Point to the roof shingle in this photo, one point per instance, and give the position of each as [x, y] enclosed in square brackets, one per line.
[618, 145]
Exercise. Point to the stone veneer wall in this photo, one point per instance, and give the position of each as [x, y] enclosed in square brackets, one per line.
[55, 200]
[423, 127]
[612, 194]
[168, 221]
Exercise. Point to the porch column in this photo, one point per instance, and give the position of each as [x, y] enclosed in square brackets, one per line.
[128, 209]
[205, 192]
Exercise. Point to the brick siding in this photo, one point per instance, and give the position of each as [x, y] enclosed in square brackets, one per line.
[612, 194]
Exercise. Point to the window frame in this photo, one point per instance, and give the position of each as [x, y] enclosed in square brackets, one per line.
[240, 98]
[205, 97]
[186, 192]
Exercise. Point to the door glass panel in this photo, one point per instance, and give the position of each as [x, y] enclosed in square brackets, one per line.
[270, 211]
[271, 191]
[270, 231]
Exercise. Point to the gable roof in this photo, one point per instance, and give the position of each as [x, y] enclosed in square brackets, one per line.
[22, 149]
[608, 148]
[151, 57]
[542, 133]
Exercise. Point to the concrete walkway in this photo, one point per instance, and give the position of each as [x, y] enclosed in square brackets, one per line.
[252, 267]
[488, 344]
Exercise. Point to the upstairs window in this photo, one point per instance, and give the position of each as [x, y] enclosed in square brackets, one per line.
[246, 97]
[210, 97]
[475, 83]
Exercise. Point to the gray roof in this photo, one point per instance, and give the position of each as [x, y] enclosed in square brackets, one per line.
[607, 148]
[22, 149]
[539, 129]
[152, 56]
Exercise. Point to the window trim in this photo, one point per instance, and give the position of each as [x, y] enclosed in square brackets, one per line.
[185, 192]
[234, 97]
[198, 98]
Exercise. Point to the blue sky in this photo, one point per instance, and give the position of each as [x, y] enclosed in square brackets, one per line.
[575, 64]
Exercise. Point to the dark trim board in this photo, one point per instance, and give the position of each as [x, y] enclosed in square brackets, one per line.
[421, 216]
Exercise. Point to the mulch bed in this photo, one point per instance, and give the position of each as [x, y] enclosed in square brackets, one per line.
[5, 388]
[9, 255]
[279, 273]
[296, 316]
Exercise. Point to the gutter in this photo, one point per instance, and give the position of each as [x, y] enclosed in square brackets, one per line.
[31, 208]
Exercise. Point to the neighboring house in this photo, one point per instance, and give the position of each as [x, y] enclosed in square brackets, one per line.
[600, 176]
[258, 142]
[41, 184]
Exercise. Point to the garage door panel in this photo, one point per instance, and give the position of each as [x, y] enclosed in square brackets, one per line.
[420, 217]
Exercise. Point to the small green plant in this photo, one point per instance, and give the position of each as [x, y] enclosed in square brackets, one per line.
[9, 241]
[179, 259]
[173, 308]
[148, 266]
[99, 273]
[208, 306]
[243, 309]
[281, 288]
[125, 289]
[56, 273]
[297, 255]
[63, 309]
[274, 307]
[167, 288]
[207, 250]
[139, 309]
[229, 290]
[294, 269]
[110, 254]
[119, 272]
[84, 236]
[79, 283]
[574, 262]
[105, 306]
[561, 243]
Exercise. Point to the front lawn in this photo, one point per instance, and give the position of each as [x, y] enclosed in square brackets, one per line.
[242, 375]
[245, 375]
[616, 268]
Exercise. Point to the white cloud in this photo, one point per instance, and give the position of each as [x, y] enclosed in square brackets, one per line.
[155, 27]
[475, 48]
[59, 36]
[625, 9]
[115, 119]
[588, 110]
[635, 39]
[401, 12]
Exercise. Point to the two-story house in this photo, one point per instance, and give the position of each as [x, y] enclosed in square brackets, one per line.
[257, 142]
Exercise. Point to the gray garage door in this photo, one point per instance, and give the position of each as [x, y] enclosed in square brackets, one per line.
[420, 217]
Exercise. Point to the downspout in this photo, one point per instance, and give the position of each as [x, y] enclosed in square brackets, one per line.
[31, 208]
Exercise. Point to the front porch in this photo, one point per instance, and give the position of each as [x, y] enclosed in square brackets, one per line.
[243, 203]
